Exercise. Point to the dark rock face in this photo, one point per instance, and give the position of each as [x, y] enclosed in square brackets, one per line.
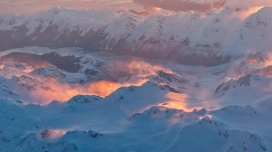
[245, 80]
[53, 72]
[67, 63]
[45, 134]
[18, 37]
[171, 77]
[90, 72]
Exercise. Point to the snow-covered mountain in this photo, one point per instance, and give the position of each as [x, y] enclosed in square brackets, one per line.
[149, 104]
[95, 80]
[211, 37]
[57, 76]
[154, 129]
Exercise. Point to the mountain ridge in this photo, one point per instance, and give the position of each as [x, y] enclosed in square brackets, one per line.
[206, 36]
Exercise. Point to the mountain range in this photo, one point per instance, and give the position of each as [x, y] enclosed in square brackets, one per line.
[90, 80]
[212, 38]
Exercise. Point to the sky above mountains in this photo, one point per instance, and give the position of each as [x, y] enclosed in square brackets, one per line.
[33, 6]
[203, 5]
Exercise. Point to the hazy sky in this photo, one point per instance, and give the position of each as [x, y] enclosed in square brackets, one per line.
[32, 6]
[204, 5]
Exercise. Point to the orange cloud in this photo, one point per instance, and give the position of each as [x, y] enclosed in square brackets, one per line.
[177, 101]
[247, 3]
[203, 6]
[182, 5]
[64, 92]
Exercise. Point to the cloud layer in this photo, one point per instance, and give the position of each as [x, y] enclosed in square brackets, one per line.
[33, 6]
[202, 5]
[248, 3]
[181, 5]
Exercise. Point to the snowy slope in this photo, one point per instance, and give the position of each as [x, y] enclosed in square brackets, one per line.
[122, 103]
[176, 129]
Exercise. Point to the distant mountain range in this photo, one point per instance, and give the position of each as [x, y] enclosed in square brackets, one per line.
[206, 38]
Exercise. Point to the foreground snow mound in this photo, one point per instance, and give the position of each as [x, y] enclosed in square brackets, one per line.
[56, 127]
[212, 135]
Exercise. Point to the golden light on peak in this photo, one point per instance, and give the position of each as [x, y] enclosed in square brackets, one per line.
[250, 11]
